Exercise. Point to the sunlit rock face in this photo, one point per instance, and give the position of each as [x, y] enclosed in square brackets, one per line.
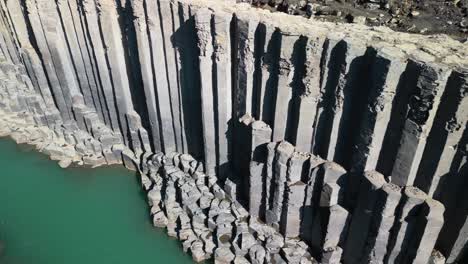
[260, 137]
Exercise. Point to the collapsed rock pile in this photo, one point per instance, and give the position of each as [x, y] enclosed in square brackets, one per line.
[197, 211]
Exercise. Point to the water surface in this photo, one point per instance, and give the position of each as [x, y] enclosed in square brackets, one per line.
[50, 215]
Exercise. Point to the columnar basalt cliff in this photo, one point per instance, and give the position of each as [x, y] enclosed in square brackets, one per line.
[260, 137]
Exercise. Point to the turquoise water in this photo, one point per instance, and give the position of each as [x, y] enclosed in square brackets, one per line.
[50, 215]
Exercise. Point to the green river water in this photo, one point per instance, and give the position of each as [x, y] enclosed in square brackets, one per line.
[50, 215]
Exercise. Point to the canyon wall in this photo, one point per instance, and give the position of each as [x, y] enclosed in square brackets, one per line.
[349, 139]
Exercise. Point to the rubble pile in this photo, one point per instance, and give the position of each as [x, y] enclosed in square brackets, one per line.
[210, 224]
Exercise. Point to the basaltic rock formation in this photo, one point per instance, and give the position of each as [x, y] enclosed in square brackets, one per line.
[259, 137]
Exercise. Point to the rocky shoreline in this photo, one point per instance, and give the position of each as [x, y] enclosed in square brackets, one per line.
[207, 220]
[27, 119]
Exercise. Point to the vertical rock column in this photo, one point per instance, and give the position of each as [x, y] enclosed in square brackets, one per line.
[388, 198]
[385, 75]
[45, 55]
[178, 20]
[205, 45]
[261, 134]
[256, 190]
[136, 143]
[405, 224]
[243, 33]
[443, 142]
[332, 62]
[332, 217]
[456, 250]
[112, 38]
[350, 96]
[294, 203]
[79, 112]
[362, 216]
[12, 12]
[294, 195]
[309, 100]
[9, 43]
[242, 150]
[422, 109]
[267, 76]
[327, 192]
[283, 154]
[222, 59]
[75, 51]
[144, 54]
[170, 57]
[336, 228]
[88, 63]
[89, 66]
[427, 230]
[59, 50]
[269, 184]
[284, 92]
[312, 188]
[247, 24]
[186, 42]
[43, 84]
[344, 58]
[99, 55]
[32, 63]
[167, 131]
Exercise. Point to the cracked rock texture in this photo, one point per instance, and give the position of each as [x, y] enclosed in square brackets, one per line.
[260, 137]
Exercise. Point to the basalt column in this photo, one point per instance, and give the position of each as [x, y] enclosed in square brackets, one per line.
[203, 20]
[147, 74]
[96, 44]
[111, 34]
[422, 109]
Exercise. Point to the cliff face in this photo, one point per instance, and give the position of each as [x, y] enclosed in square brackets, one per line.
[94, 82]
